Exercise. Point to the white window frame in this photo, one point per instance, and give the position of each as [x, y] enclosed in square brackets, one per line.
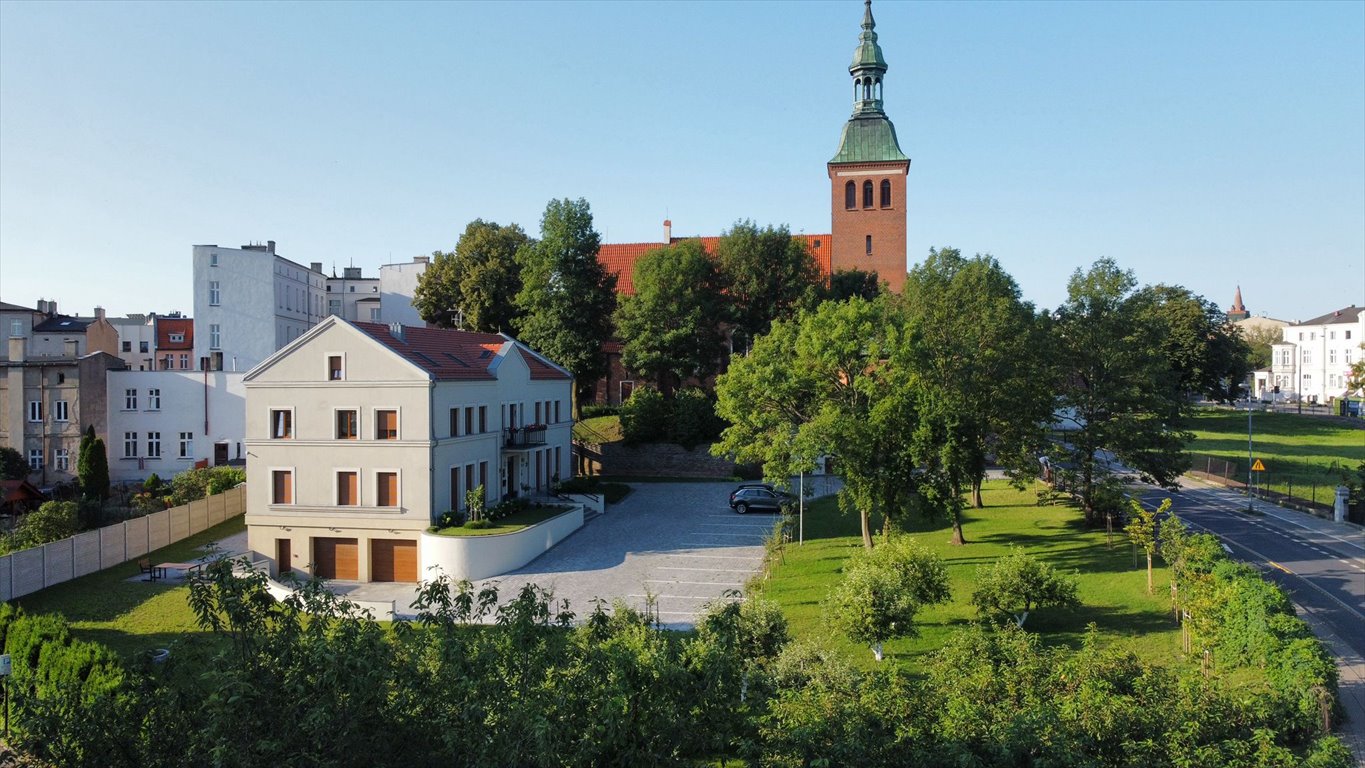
[35, 459]
[61, 459]
[215, 336]
[359, 426]
[327, 366]
[154, 399]
[35, 411]
[293, 423]
[61, 411]
[186, 448]
[213, 258]
[215, 293]
[154, 445]
[359, 486]
[293, 488]
[130, 441]
[184, 361]
[398, 422]
[398, 503]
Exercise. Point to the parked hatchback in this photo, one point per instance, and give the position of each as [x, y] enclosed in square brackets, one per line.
[758, 497]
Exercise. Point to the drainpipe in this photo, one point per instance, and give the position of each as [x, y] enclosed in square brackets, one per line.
[206, 402]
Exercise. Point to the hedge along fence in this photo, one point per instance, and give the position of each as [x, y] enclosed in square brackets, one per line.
[29, 570]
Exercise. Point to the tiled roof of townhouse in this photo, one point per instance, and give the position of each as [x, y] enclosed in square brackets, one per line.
[165, 326]
[452, 355]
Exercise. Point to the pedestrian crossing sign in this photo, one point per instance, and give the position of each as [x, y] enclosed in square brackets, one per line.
[1258, 466]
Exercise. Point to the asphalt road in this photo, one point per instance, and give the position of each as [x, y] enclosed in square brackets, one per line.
[1319, 563]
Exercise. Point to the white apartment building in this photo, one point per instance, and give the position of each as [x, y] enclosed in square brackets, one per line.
[353, 297]
[359, 435]
[136, 340]
[397, 286]
[168, 421]
[1314, 360]
[249, 302]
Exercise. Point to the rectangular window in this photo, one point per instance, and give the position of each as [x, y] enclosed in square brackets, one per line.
[1332, 356]
[869, 244]
[483, 478]
[483, 418]
[1331, 334]
[1348, 357]
[386, 425]
[61, 459]
[127, 346]
[153, 399]
[1307, 356]
[556, 411]
[166, 362]
[469, 420]
[374, 314]
[348, 425]
[186, 445]
[281, 424]
[537, 419]
[184, 361]
[153, 445]
[1300, 335]
[282, 486]
[1348, 334]
[468, 477]
[456, 498]
[334, 306]
[35, 410]
[215, 336]
[348, 489]
[335, 370]
[454, 422]
[142, 347]
[213, 259]
[60, 411]
[215, 295]
[130, 445]
[130, 399]
[387, 492]
[35, 459]
[554, 472]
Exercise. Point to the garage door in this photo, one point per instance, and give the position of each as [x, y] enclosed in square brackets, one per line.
[393, 560]
[336, 559]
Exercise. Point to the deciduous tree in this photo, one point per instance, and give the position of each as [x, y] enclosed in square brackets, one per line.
[768, 274]
[13, 466]
[1018, 583]
[883, 589]
[1142, 530]
[567, 297]
[1205, 350]
[475, 286]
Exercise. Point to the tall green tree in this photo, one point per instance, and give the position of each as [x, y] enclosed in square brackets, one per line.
[1206, 351]
[1116, 392]
[13, 465]
[92, 466]
[474, 286]
[768, 274]
[844, 284]
[670, 325]
[978, 358]
[827, 383]
[567, 297]
[1258, 341]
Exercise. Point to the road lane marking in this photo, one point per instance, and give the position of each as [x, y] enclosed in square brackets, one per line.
[696, 583]
[704, 570]
[1281, 567]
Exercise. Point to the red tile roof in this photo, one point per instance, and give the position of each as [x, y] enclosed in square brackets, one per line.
[620, 258]
[165, 326]
[454, 355]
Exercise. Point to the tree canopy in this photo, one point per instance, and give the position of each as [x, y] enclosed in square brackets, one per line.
[567, 297]
[1205, 350]
[768, 274]
[883, 589]
[474, 286]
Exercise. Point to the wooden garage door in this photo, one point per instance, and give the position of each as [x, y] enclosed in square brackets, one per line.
[393, 560]
[336, 559]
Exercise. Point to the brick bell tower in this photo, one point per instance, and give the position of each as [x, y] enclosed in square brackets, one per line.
[867, 174]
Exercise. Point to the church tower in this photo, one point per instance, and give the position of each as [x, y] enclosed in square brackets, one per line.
[1239, 310]
[867, 174]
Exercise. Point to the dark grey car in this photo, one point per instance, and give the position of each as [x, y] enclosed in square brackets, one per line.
[758, 497]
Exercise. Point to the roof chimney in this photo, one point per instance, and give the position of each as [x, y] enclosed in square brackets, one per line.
[269, 246]
[52, 307]
[421, 259]
[99, 313]
[396, 331]
[42, 306]
[668, 231]
[316, 266]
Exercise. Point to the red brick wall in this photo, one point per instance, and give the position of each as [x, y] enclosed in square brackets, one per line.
[885, 225]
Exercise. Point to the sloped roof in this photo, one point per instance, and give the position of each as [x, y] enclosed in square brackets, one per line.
[5, 306]
[62, 324]
[540, 370]
[620, 258]
[165, 326]
[444, 353]
[1348, 315]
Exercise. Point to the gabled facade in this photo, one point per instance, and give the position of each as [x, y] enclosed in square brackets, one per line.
[360, 435]
[174, 343]
[1314, 360]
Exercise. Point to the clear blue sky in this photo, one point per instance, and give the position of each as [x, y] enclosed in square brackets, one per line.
[1206, 144]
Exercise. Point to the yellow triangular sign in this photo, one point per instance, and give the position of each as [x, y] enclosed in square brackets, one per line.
[1258, 466]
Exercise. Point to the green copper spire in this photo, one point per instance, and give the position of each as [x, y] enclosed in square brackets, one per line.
[869, 135]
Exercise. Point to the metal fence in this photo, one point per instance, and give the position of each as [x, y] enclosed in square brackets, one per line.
[29, 570]
[1297, 481]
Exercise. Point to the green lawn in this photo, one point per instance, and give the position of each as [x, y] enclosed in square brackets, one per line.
[134, 616]
[510, 524]
[1112, 589]
[598, 429]
[1308, 451]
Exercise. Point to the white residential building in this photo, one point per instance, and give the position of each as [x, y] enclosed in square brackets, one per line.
[353, 297]
[1314, 360]
[168, 421]
[397, 286]
[360, 435]
[249, 302]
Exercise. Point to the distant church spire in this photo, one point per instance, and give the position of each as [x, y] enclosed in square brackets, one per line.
[1238, 311]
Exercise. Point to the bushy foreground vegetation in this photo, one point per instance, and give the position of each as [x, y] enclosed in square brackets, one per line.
[474, 683]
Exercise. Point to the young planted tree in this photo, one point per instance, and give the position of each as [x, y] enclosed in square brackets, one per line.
[883, 589]
[567, 297]
[768, 274]
[670, 325]
[474, 286]
[1142, 530]
[1116, 391]
[1018, 583]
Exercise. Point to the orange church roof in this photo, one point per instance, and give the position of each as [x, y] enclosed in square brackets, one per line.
[620, 258]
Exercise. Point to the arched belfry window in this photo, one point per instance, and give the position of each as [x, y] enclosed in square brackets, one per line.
[867, 194]
[886, 193]
[850, 195]
[879, 89]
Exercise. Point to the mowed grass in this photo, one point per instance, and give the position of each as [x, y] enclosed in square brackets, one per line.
[598, 429]
[116, 608]
[1305, 450]
[514, 522]
[1112, 589]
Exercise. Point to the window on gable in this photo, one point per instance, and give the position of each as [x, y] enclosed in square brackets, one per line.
[335, 371]
[281, 424]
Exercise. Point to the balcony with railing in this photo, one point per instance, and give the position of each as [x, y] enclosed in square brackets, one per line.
[520, 438]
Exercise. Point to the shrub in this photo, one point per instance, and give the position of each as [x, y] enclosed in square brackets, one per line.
[645, 416]
[195, 484]
[1018, 583]
[694, 421]
[53, 521]
[13, 465]
[883, 589]
[450, 519]
[478, 524]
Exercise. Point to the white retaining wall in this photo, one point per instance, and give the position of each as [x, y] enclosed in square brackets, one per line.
[29, 570]
[479, 557]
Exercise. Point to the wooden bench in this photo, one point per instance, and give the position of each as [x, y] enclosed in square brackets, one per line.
[152, 572]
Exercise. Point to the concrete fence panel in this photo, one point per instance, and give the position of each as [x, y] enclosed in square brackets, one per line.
[113, 545]
[180, 522]
[6, 588]
[158, 530]
[199, 516]
[85, 553]
[58, 559]
[214, 507]
[137, 537]
[27, 566]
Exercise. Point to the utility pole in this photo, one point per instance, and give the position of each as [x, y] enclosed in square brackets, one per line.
[1251, 460]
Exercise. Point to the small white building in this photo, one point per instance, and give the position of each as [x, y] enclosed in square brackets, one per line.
[360, 435]
[353, 296]
[249, 302]
[168, 421]
[397, 287]
[1314, 360]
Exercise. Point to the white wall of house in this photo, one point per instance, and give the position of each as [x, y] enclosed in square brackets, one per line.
[165, 421]
[136, 341]
[249, 302]
[352, 296]
[397, 286]
[1314, 360]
